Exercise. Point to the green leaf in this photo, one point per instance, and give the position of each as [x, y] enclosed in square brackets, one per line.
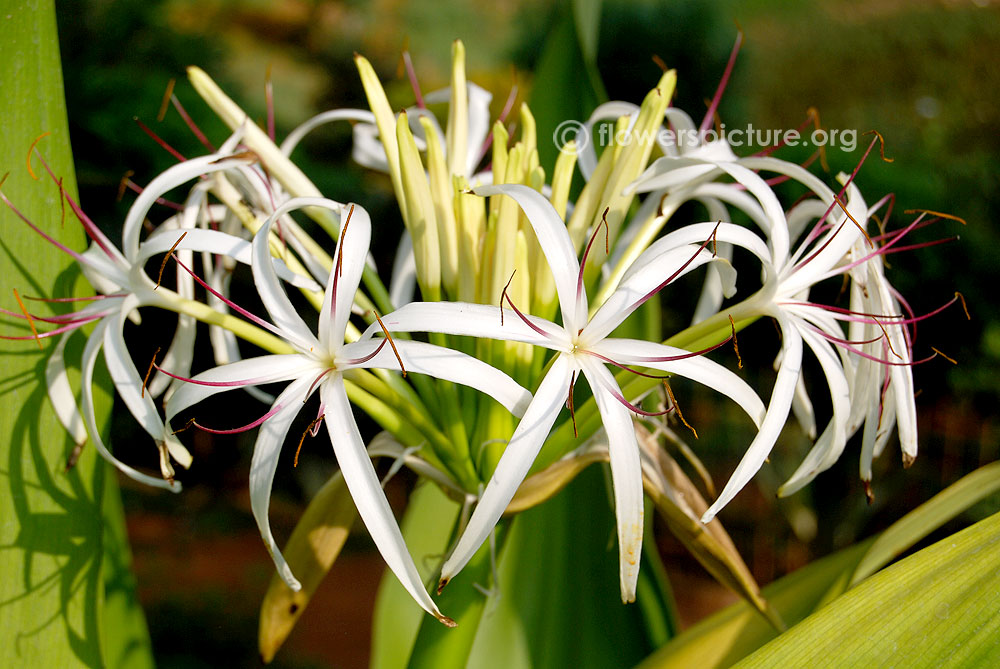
[427, 525]
[936, 608]
[929, 516]
[57, 594]
[729, 635]
[559, 602]
[559, 92]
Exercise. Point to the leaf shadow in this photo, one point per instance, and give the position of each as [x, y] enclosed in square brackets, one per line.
[59, 531]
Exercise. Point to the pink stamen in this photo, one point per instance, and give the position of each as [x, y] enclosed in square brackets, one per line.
[136, 188]
[191, 124]
[232, 305]
[76, 256]
[642, 300]
[508, 105]
[505, 296]
[245, 428]
[586, 251]
[631, 407]
[707, 121]
[74, 299]
[362, 360]
[159, 140]
[89, 226]
[214, 384]
[414, 84]
[63, 319]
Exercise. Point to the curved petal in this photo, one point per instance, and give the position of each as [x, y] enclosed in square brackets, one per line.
[609, 111]
[266, 450]
[271, 292]
[834, 438]
[626, 473]
[404, 272]
[473, 320]
[90, 352]
[240, 374]
[166, 181]
[296, 135]
[359, 475]
[550, 230]
[442, 363]
[61, 393]
[514, 464]
[342, 286]
[640, 285]
[634, 352]
[129, 387]
[770, 428]
[219, 243]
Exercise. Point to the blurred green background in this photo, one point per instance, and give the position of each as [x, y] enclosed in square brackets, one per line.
[922, 73]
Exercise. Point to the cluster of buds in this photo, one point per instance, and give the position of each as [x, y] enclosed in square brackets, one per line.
[520, 288]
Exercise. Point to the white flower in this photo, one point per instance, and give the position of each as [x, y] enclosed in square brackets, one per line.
[123, 286]
[319, 363]
[583, 347]
[826, 250]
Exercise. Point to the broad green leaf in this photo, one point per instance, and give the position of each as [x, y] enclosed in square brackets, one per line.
[427, 527]
[558, 602]
[57, 595]
[311, 551]
[587, 18]
[729, 635]
[726, 637]
[558, 92]
[936, 608]
[914, 526]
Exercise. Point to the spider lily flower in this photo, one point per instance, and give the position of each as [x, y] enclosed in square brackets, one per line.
[318, 364]
[123, 287]
[582, 346]
[825, 250]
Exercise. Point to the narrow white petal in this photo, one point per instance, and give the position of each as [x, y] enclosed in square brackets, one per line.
[61, 393]
[179, 356]
[802, 407]
[550, 230]
[777, 414]
[296, 135]
[367, 149]
[474, 320]
[404, 272]
[271, 292]
[636, 353]
[264, 463]
[609, 111]
[351, 253]
[237, 375]
[514, 464]
[90, 353]
[479, 127]
[361, 480]
[219, 243]
[171, 178]
[834, 438]
[128, 383]
[442, 363]
[634, 289]
[626, 473]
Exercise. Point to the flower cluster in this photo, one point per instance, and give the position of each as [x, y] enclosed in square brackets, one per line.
[523, 292]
